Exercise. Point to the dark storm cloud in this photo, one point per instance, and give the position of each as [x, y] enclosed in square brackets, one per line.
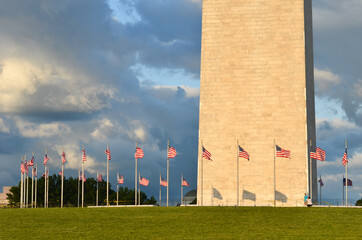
[67, 80]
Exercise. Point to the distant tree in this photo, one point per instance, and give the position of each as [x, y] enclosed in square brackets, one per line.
[126, 196]
[359, 202]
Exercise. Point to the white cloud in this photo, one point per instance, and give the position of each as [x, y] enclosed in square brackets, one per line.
[74, 159]
[25, 84]
[337, 124]
[190, 91]
[104, 130]
[3, 127]
[32, 130]
[325, 79]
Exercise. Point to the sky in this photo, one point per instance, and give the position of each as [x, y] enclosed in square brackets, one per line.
[89, 72]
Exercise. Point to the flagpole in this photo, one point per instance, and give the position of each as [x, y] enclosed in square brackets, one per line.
[343, 183]
[78, 184]
[108, 178]
[181, 190]
[320, 190]
[202, 174]
[310, 174]
[24, 184]
[139, 189]
[237, 173]
[274, 178]
[32, 183]
[83, 178]
[36, 183]
[117, 188]
[135, 179]
[21, 182]
[168, 164]
[347, 178]
[45, 181]
[48, 186]
[61, 202]
[27, 183]
[160, 191]
[97, 190]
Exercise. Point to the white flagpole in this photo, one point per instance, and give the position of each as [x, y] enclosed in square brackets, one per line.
[21, 184]
[82, 178]
[320, 190]
[36, 183]
[139, 189]
[32, 184]
[27, 184]
[168, 164]
[160, 191]
[97, 190]
[182, 197]
[48, 186]
[45, 183]
[237, 174]
[347, 178]
[61, 204]
[117, 187]
[202, 175]
[274, 176]
[135, 180]
[108, 178]
[310, 174]
[78, 184]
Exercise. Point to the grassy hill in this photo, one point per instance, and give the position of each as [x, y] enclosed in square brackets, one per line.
[181, 223]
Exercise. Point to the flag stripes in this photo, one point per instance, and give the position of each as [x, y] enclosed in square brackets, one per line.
[63, 157]
[185, 183]
[243, 153]
[163, 182]
[84, 156]
[206, 154]
[345, 159]
[139, 153]
[318, 154]
[46, 159]
[144, 181]
[120, 179]
[108, 153]
[280, 152]
[171, 152]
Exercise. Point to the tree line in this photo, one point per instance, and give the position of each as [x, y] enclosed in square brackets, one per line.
[126, 196]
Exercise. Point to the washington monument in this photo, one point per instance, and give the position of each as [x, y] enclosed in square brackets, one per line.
[257, 91]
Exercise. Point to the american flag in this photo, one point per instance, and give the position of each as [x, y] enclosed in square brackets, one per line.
[31, 162]
[171, 152]
[83, 178]
[345, 159]
[206, 154]
[45, 174]
[318, 153]
[243, 153]
[321, 182]
[60, 173]
[120, 179]
[280, 152]
[84, 157]
[26, 167]
[144, 181]
[63, 157]
[100, 178]
[138, 153]
[22, 168]
[163, 182]
[349, 182]
[34, 172]
[185, 183]
[108, 153]
[46, 159]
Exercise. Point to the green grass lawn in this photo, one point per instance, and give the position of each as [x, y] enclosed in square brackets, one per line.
[181, 223]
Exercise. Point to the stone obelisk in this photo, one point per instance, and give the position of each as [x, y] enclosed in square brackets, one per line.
[257, 88]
